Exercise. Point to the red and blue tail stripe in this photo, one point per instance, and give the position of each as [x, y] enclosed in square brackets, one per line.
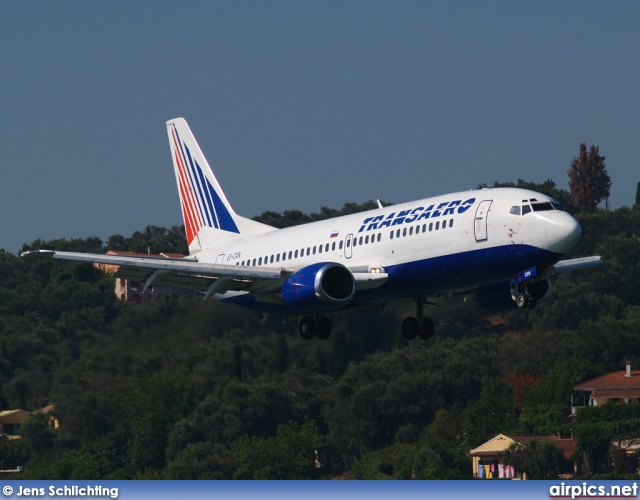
[201, 203]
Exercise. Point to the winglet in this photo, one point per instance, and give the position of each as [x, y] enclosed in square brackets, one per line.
[47, 254]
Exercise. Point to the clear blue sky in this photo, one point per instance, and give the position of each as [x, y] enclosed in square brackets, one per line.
[303, 104]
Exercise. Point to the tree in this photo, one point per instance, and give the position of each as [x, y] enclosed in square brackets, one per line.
[593, 443]
[492, 413]
[539, 460]
[290, 455]
[636, 206]
[589, 181]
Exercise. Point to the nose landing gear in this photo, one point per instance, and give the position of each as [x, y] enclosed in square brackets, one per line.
[523, 297]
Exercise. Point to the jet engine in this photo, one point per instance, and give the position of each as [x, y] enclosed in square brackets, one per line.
[321, 286]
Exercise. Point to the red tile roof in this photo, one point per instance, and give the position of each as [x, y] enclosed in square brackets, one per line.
[615, 380]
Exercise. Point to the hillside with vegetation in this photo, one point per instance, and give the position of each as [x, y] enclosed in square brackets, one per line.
[186, 389]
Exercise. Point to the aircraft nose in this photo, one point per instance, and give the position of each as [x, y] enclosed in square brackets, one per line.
[563, 232]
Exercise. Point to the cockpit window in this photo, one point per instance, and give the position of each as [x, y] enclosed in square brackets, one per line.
[542, 206]
[536, 206]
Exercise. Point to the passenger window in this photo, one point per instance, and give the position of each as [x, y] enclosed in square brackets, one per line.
[254, 262]
[360, 242]
[326, 247]
[314, 250]
[290, 254]
[333, 246]
[309, 251]
[259, 261]
[424, 228]
[391, 235]
[348, 243]
[451, 223]
[398, 233]
[379, 236]
[366, 240]
[355, 242]
[444, 224]
[271, 260]
[404, 232]
[437, 225]
[411, 231]
[430, 226]
[340, 245]
[296, 254]
[319, 249]
[515, 210]
[526, 209]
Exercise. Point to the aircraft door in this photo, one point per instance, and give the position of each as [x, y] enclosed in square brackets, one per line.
[348, 243]
[220, 259]
[481, 220]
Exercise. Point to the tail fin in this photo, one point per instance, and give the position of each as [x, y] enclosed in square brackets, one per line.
[209, 220]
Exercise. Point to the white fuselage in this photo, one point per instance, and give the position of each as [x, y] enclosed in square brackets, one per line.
[435, 244]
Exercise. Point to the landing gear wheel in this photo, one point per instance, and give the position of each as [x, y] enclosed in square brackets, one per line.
[532, 303]
[410, 328]
[307, 328]
[522, 301]
[323, 328]
[427, 329]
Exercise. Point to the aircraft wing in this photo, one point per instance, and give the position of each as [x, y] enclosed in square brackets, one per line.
[573, 264]
[182, 273]
[189, 273]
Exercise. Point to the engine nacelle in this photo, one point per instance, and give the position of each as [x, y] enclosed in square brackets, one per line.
[325, 285]
[502, 296]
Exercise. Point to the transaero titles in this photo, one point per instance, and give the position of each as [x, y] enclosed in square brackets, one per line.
[68, 491]
[416, 214]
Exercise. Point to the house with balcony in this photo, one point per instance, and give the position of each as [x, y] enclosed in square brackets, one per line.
[620, 387]
[617, 387]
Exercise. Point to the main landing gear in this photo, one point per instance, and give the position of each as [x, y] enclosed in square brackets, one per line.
[318, 326]
[419, 326]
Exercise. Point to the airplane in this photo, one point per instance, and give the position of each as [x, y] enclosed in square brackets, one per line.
[503, 244]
